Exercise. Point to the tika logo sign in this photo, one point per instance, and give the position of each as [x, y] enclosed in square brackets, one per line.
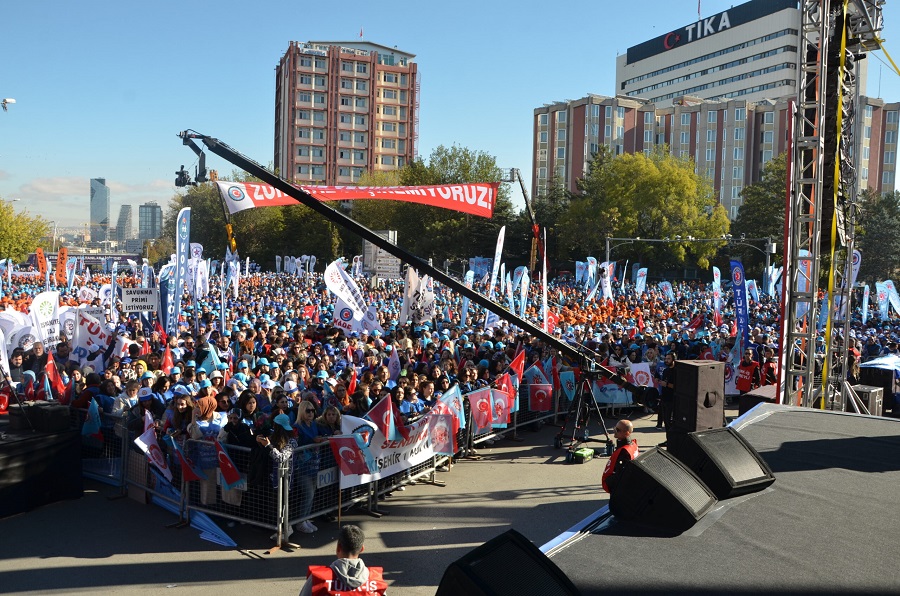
[699, 30]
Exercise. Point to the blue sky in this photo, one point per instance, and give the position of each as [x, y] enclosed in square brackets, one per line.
[102, 88]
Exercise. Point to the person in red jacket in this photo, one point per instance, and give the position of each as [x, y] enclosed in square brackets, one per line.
[748, 373]
[347, 574]
[626, 450]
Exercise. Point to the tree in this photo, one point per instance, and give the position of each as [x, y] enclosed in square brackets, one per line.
[877, 237]
[20, 233]
[762, 210]
[646, 196]
[432, 231]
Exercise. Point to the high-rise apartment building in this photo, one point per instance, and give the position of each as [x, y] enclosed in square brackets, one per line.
[149, 221]
[342, 108]
[99, 210]
[124, 229]
[729, 141]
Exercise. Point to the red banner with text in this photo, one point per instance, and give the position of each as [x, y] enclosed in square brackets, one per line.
[475, 198]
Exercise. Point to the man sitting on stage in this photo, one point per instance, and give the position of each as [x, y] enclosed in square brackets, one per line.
[626, 450]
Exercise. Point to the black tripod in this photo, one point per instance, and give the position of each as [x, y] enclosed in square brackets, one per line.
[579, 413]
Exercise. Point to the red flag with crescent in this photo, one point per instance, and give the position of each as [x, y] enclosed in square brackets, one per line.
[167, 361]
[518, 364]
[540, 398]
[482, 405]
[230, 472]
[348, 455]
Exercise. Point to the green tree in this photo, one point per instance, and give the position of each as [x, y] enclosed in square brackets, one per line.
[20, 233]
[762, 211]
[432, 231]
[646, 196]
[877, 235]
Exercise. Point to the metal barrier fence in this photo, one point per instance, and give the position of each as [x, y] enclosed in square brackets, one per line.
[103, 457]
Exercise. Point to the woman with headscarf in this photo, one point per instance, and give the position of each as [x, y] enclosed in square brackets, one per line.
[204, 430]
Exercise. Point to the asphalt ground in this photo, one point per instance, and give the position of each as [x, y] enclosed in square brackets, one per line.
[120, 546]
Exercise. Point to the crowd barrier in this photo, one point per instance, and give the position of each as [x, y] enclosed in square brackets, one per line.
[270, 496]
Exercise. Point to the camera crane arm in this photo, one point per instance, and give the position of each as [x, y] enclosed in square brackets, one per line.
[245, 163]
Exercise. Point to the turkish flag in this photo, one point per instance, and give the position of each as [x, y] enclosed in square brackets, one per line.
[382, 414]
[540, 398]
[552, 321]
[518, 364]
[482, 408]
[505, 384]
[145, 348]
[351, 385]
[162, 332]
[230, 472]
[167, 362]
[147, 443]
[4, 399]
[56, 382]
[348, 455]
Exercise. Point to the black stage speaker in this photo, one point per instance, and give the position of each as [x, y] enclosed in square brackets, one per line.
[699, 395]
[748, 401]
[724, 461]
[508, 564]
[658, 490]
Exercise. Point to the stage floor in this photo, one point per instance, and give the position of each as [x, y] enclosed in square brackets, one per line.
[829, 523]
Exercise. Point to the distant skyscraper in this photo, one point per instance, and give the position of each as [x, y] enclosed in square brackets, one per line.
[99, 210]
[149, 221]
[124, 230]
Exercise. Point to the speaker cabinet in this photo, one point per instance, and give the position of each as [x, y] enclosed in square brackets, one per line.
[724, 461]
[659, 491]
[764, 394]
[508, 564]
[699, 395]
[880, 377]
[872, 397]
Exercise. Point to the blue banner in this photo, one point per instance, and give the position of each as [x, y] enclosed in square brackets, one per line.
[166, 295]
[182, 256]
[739, 286]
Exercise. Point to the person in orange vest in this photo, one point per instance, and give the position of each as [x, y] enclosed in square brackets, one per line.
[626, 450]
[748, 373]
[348, 574]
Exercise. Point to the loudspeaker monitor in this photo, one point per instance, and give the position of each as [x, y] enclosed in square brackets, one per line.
[659, 491]
[699, 395]
[508, 564]
[724, 461]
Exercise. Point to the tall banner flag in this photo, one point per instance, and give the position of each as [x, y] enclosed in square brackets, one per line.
[277, 264]
[591, 272]
[182, 256]
[524, 297]
[222, 297]
[717, 293]
[624, 271]
[640, 283]
[71, 262]
[544, 285]
[44, 312]
[893, 297]
[410, 289]
[666, 288]
[113, 292]
[605, 278]
[517, 276]
[468, 280]
[342, 285]
[881, 293]
[865, 304]
[510, 300]
[498, 253]
[738, 284]
[502, 276]
[753, 290]
[62, 258]
[580, 270]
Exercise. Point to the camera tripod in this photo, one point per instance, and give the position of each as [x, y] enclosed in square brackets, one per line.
[579, 414]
